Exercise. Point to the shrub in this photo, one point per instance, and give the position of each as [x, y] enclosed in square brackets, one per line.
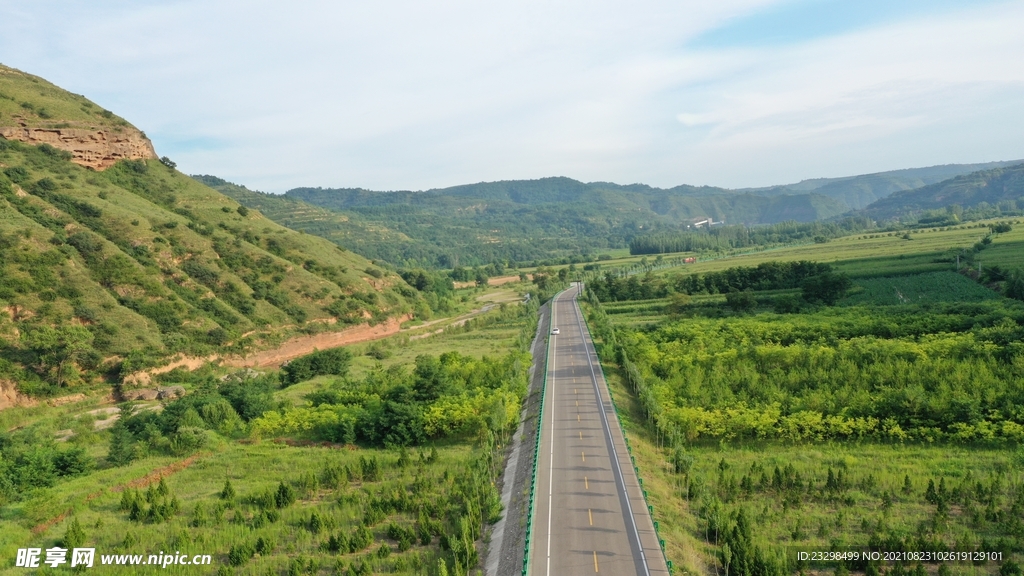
[332, 361]
[741, 301]
[75, 536]
[285, 496]
[264, 545]
[17, 174]
[73, 462]
[361, 539]
[188, 439]
[827, 288]
[241, 553]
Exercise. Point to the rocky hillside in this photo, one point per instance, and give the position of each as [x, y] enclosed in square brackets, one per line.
[112, 261]
[36, 112]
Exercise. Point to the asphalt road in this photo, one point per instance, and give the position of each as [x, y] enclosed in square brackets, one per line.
[589, 513]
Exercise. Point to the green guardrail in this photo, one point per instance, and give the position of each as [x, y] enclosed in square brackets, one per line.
[536, 446]
[632, 459]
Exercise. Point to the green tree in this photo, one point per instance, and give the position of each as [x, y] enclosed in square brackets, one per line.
[1014, 287]
[827, 288]
[677, 303]
[228, 493]
[741, 301]
[75, 536]
[123, 448]
[57, 349]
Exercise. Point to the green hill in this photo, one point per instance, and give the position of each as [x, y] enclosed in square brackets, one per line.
[859, 191]
[105, 271]
[1002, 187]
[520, 220]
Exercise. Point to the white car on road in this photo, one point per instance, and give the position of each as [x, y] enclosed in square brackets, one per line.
[554, 331]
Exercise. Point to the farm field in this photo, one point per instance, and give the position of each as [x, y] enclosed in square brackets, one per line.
[868, 254]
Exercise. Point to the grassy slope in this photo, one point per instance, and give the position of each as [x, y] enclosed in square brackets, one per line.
[39, 104]
[168, 265]
[343, 228]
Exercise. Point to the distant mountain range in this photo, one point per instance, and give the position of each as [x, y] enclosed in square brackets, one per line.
[526, 220]
[859, 191]
[804, 201]
[998, 186]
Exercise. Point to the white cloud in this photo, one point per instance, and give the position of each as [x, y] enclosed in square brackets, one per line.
[401, 94]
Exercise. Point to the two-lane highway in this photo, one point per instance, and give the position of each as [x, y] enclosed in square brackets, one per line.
[589, 513]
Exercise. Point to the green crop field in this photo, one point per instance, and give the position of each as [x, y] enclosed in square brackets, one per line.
[918, 289]
[871, 254]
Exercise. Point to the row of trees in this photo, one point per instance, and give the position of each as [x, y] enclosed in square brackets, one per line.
[721, 238]
[446, 396]
[819, 283]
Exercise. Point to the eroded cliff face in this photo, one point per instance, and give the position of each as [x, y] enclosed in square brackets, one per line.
[96, 149]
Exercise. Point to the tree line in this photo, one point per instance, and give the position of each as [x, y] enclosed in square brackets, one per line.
[818, 281]
[719, 238]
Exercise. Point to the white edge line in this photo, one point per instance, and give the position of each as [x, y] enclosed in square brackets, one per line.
[551, 435]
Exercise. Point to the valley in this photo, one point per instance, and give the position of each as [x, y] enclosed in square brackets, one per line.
[338, 380]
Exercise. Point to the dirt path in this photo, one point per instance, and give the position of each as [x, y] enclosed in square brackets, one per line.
[457, 321]
[305, 344]
[146, 480]
[496, 281]
[298, 346]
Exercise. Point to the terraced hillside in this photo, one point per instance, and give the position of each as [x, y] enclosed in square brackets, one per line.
[110, 267]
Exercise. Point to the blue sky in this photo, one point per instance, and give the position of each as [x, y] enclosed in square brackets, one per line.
[397, 94]
[802, 20]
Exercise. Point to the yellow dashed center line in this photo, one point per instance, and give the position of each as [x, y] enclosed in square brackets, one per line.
[586, 483]
[591, 514]
[595, 562]
[584, 455]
